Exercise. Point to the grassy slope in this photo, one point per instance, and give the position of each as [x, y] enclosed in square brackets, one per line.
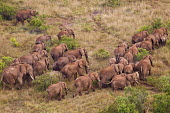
[103, 30]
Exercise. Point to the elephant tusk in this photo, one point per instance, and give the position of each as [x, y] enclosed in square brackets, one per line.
[32, 77]
[89, 57]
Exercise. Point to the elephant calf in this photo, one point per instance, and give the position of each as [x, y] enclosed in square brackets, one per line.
[84, 83]
[56, 89]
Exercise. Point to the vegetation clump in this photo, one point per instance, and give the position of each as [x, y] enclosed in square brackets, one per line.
[142, 53]
[70, 42]
[37, 25]
[42, 82]
[14, 42]
[102, 54]
[4, 62]
[7, 12]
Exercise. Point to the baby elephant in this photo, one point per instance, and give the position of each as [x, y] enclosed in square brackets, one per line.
[84, 83]
[56, 89]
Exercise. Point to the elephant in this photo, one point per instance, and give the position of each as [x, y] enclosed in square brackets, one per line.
[144, 67]
[112, 61]
[119, 67]
[57, 89]
[148, 44]
[133, 78]
[119, 82]
[17, 73]
[128, 69]
[43, 39]
[134, 50]
[139, 36]
[78, 53]
[161, 34]
[66, 32]
[32, 57]
[23, 15]
[58, 51]
[123, 61]
[73, 68]
[85, 83]
[39, 47]
[120, 51]
[62, 61]
[128, 56]
[41, 66]
[153, 39]
[106, 74]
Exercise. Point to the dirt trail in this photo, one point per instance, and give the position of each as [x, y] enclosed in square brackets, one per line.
[150, 88]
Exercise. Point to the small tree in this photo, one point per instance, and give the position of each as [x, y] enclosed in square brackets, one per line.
[101, 54]
[142, 53]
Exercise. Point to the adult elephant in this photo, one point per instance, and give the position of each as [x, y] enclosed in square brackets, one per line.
[128, 69]
[17, 73]
[120, 50]
[39, 47]
[66, 32]
[73, 68]
[56, 90]
[144, 67]
[41, 66]
[58, 51]
[133, 78]
[23, 15]
[62, 61]
[128, 56]
[84, 83]
[134, 50]
[106, 74]
[148, 44]
[78, 53]
[31, 58]
[43, 39]
[139, 36]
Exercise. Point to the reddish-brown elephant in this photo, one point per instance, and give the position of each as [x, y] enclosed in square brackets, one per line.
[139, 36]
[23, 15]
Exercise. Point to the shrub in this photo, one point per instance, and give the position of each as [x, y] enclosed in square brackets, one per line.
[138, 96]
[4, 62]
[42, 82]
[14, 42]
[161, 103]
[132, 102]
[37, 24]
[145, 28]
[156, 23]
[141, 54]
[70, 42]
[101, 54]
[162, 83]
[7, 12]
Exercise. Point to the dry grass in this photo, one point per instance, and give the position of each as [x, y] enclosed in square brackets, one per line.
[105, 29]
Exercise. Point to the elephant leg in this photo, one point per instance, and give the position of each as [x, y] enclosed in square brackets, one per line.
[20, 80]
[3, 85]
[75, 76]
[150, 71]
[49, 97]
[60, 96]
[90, 87]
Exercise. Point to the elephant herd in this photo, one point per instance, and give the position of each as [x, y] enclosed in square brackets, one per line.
[123, 70]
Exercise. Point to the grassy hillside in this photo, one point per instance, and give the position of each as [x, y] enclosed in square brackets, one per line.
[97, 24]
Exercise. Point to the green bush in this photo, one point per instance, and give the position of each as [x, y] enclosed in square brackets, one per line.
[4, 62]
[138, 96]
[102, 54]
[7, 12]
[162, 83]
[112, 3]
[42, 82]
[14, 42]
[134, 101]
[161, 103]
[70, 42]
[37, 24]
[142, 53]
[156, 23]
[145, 28]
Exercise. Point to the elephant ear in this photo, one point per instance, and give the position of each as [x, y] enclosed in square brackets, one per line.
[22, 69]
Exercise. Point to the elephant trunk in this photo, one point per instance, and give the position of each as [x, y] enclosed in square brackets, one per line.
[87, 58]
[73, 36]
[86, 69]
